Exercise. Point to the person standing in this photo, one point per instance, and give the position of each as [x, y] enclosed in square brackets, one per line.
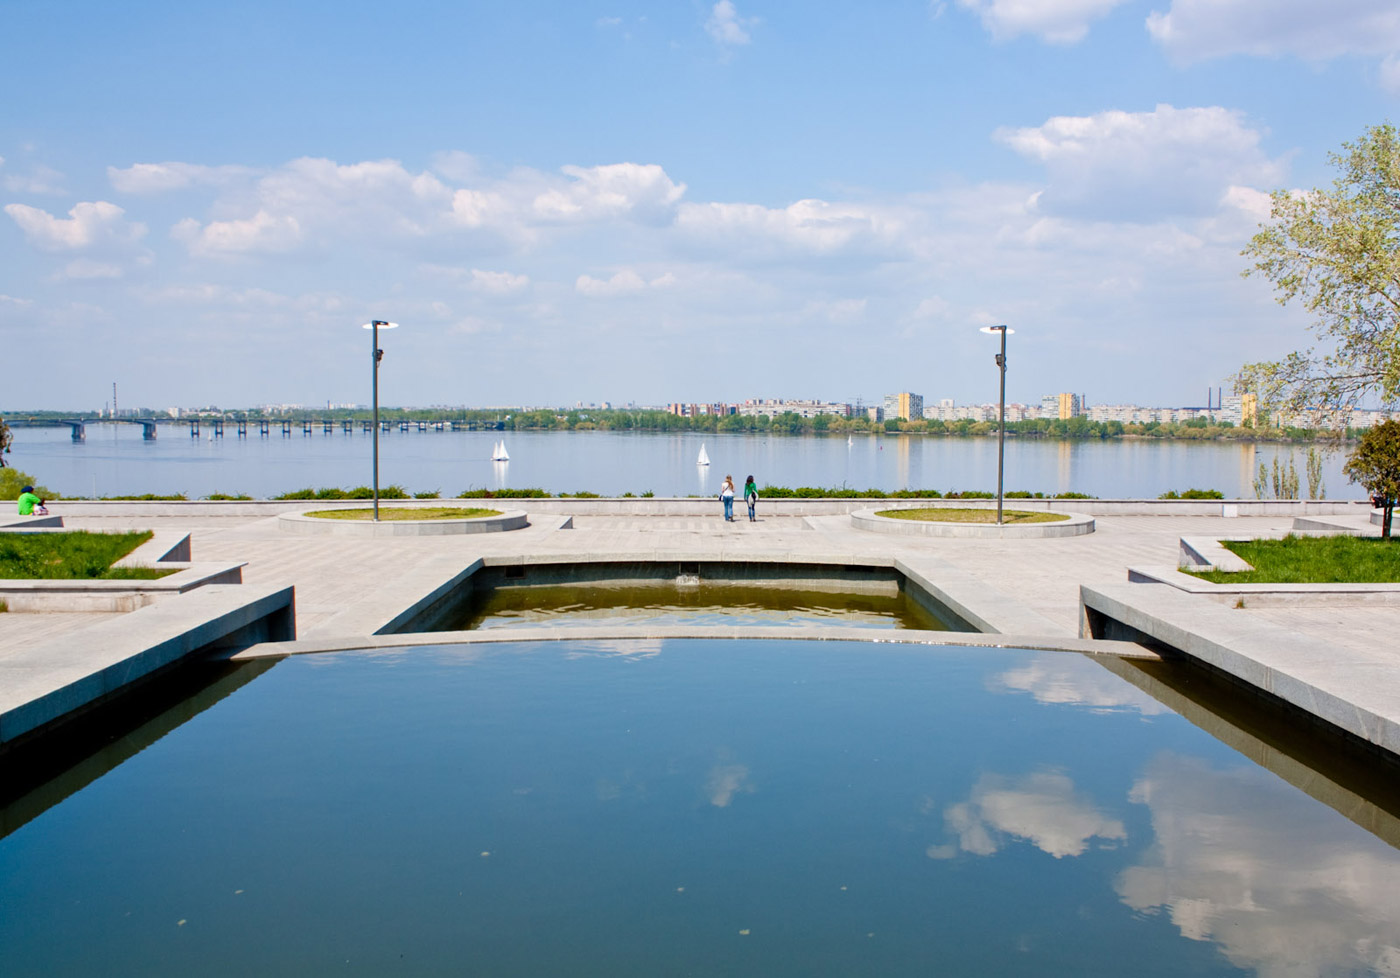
[751, 497]
[726, 496]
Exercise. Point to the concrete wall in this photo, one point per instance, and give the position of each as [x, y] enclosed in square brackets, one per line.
[708, 506]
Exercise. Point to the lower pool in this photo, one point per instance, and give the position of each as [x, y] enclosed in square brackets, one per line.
[695, 807]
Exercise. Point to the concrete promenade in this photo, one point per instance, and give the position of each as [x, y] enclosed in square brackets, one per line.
[348, 588]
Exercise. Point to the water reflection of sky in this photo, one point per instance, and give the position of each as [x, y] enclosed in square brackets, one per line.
[775, 808]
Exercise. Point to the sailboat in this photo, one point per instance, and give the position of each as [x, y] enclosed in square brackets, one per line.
[499, 453]
[703, 459]
[850, 440]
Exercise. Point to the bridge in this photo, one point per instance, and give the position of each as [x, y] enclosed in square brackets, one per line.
[79, 427]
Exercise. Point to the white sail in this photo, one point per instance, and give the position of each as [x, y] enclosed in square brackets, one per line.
[850, 440]
[703, 459]
[499, 453]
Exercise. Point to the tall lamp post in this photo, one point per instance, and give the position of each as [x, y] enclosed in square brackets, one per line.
[1001, 417]
[376, 354]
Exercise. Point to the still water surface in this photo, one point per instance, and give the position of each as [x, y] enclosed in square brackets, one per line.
[630, 604]
[702, 807]
[114, 460]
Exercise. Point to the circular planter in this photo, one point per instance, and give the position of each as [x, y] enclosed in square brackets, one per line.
[1074, 525]
[300, 523]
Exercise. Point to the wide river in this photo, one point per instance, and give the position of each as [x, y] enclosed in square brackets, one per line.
[115, 460]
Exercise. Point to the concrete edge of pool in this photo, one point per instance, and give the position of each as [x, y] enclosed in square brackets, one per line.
[611, 633]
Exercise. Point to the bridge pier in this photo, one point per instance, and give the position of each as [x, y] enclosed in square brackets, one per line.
[194, 428]
[79, 430]
[148, 430]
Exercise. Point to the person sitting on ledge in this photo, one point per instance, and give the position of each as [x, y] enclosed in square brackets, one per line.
[30, 504]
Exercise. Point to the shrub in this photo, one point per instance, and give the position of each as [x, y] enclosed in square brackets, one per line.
[224, 496]
[1192, 494]
[1071, 495]
[503, 494]
[13, 480]
[428, 494]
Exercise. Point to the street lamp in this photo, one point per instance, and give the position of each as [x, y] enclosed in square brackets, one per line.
[1001, 418]
[376, 354]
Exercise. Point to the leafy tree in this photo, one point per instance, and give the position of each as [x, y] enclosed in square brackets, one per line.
[1338, 253]
[5, 439]
[1376, 465]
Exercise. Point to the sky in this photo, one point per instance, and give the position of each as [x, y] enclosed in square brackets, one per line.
[656, 202]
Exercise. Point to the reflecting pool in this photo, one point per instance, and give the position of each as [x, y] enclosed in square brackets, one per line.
[635, 604]
[696, 807]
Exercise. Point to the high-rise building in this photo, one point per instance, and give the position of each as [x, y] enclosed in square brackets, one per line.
[904, 406]
[1062, 406]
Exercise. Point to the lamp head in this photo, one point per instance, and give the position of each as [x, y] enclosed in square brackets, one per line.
[997, 329]
[380, 324]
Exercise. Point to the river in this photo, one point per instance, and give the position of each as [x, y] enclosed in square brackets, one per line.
[115, 460]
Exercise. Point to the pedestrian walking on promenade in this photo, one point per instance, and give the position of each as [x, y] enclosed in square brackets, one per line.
[751, 497]
[726, 496]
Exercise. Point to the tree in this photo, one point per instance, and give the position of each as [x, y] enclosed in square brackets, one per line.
[5, 439]
[1338, 253]
[1376, 465]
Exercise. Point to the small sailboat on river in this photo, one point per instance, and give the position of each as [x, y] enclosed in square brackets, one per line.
[704, 459]
[499, 453]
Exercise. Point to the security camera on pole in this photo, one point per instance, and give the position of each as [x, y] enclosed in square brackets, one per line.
[374, 325]
[1001, 416]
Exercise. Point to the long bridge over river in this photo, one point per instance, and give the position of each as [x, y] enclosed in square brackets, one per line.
[263, 427]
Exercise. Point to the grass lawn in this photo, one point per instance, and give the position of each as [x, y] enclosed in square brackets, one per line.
[1312, 560]
[423, 513]
[76, 555]
[933, 515]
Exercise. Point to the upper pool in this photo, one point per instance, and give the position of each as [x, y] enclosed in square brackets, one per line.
[696, 807]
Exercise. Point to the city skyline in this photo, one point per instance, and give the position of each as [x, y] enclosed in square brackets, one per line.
[609, 200]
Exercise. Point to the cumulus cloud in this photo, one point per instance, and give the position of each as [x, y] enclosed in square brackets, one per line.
[1042, 808]
[809, 225]
[1280, 884]
[1053, 21]
[1144, 165]
[725, 781]
[498, 283]
[727, 27]
[156, 178]
[89, 224]
[40, 180]
[263, 233]
[1193, 30]
[625, 282]
[614, 190]
[1076, 681]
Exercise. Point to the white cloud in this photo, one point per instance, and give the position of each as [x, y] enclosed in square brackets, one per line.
[625, 282]
[12, 300]
[498, 283]
[727, 27]
[1144, 165]
[1281, 884]
[263, 233]
[86, 268]
[725, 781]
[809, 225]
[156, 178]
[642, 191]
[1071, 680]
[40, 180]
[89, 224]
[1043, 808]
[1053, 21]
[1192, 30]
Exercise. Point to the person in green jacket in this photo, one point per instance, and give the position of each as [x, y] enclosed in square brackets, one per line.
[30, 504]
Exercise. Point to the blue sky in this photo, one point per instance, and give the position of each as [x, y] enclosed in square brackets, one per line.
[656, 202]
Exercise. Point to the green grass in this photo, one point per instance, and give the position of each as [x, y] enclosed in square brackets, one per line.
[418, 513]
[1312, 560]
[971, 515]
[76, 555]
